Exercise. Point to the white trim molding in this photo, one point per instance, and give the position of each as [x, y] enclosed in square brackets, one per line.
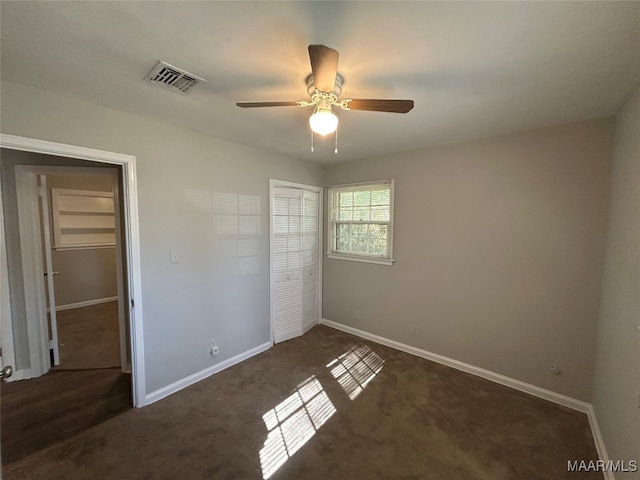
[599, 441]
[362, 259]
[87, 303]
[202, 374]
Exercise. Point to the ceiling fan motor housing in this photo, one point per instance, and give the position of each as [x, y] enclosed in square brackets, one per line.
[311, 88]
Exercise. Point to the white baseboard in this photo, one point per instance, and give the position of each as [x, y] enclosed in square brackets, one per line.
[465, 367]
[202, 374]
[86, 303]
[599, 441]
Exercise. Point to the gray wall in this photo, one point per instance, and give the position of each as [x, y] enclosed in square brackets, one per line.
[498, 246]
[192, 191]
[85, 274]
[616, 392]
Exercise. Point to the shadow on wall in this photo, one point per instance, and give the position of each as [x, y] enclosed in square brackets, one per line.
[236, 219]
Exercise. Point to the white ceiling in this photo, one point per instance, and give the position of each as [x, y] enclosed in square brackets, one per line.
[474, 69]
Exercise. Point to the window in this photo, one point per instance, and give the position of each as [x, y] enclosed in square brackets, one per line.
[361, 222]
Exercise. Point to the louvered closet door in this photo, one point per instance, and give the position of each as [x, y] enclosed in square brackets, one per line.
[287, 263]
[310, 210]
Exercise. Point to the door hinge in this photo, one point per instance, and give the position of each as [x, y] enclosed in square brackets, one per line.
[132, 303]
[42, 191]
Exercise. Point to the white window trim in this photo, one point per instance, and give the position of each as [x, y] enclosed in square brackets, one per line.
[364, 258]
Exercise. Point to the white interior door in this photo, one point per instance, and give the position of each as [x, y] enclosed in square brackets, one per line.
[49, 274]
[310, 258]
[295, 256]
[28, 197]
[7, 356]
[287, 263]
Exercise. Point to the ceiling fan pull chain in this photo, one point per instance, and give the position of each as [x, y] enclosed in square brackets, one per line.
[336, 150]
[311, 141]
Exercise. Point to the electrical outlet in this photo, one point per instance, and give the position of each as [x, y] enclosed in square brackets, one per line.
[555, 370]
[213, 348]
[415, 330]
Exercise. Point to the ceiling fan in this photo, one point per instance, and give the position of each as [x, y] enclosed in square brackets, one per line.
[324, 86]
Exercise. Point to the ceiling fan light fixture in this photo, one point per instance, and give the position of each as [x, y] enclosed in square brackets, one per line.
[323, 122]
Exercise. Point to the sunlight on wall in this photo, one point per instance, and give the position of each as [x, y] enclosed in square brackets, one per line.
[355, 368]
[292, 423]
[236, 219]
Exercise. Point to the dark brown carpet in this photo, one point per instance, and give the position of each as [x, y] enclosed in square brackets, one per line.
[89, 337]
[315, 408]
[41, 412]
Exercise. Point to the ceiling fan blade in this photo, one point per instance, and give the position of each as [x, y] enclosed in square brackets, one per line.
[377, 105]
[267, 104]
[324, 66]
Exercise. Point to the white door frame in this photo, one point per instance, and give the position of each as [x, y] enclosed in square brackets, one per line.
[30, 242]
[48, 267]
[131, 248]
[274, 183]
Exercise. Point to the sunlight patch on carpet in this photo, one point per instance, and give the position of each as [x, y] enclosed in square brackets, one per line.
[355, 368]
[292, 423]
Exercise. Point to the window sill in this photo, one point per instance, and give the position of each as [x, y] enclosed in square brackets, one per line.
[378, 261]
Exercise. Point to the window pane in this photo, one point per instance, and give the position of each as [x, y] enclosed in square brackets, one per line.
[343, 229]
[380, 213]
[345, 199]
[345, 214]
[379, 230]
[378, 245]
[362, 199]
[362, 213]
[359, 244]
[342, 243]
[381, 197]
[342, 236]
[358, 230]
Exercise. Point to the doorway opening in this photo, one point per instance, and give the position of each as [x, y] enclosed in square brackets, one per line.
[70, 296]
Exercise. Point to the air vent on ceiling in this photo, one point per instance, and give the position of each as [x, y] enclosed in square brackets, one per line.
[173, 78]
